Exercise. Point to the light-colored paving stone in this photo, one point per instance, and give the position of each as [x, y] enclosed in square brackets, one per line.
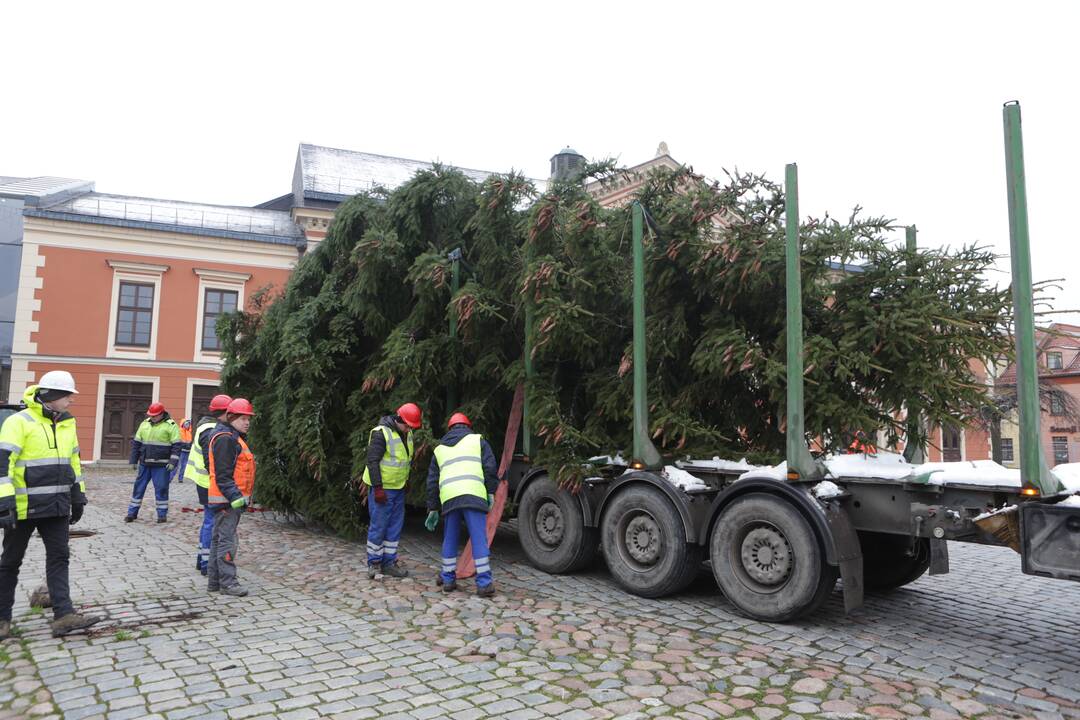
[316, 638]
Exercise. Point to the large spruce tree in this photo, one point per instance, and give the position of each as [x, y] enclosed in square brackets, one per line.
[363, 326]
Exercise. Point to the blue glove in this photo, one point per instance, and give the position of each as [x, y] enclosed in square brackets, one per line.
[432, 520]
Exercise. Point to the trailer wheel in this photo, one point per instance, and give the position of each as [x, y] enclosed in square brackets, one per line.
[645, 544]
[768, 561]
[551, 527]
[890, 561]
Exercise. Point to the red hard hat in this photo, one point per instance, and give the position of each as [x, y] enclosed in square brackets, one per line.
[220, 402]
[155, 409]
[410, 414]
[457, 419]
[240, 406]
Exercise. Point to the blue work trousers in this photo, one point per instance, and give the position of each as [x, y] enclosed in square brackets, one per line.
[159, 475]
[384, 530]
[475, 522]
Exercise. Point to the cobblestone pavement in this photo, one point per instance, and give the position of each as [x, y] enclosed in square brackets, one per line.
[318, 639]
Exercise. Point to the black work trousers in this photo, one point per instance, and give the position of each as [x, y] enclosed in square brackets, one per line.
[54, 533]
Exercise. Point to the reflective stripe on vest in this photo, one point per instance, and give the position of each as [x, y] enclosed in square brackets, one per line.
[461, 471]
[196, 470]
[396, 460]
[243, 472]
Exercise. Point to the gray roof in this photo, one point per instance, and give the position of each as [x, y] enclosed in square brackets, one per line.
[35, 189]
[344, 173]
[241, 223]
[334, 174]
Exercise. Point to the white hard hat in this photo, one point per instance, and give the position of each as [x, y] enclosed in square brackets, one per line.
[58, 380]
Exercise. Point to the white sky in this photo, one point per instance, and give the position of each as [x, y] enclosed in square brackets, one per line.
[898, 110]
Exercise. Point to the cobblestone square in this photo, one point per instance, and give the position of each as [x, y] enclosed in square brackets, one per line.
[317, 638]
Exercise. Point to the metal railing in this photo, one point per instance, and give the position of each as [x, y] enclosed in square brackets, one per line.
[234, 220]
[333, 184]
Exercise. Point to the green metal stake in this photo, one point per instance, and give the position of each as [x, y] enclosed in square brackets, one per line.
[1033, 469]
[799, 459]
[915, 454]
[644, 450]
[455, 283]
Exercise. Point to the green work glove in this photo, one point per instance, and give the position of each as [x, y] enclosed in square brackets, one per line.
[432, 520]
[239, 502]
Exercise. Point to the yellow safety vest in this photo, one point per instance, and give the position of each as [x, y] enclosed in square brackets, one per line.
[196, 470]
[42, 471]
[461, 471]
[394, 466]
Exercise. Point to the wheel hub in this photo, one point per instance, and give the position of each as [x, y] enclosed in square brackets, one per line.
[643, 540]
[549, 524]
[766, 556]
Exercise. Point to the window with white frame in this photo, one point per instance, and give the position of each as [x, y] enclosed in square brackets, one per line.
[1007, 450]
[135, 307]
[220, 292]
[135, 314]
[215, 304]
[1053, 361]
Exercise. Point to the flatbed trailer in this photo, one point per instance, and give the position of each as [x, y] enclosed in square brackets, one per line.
[775, 542]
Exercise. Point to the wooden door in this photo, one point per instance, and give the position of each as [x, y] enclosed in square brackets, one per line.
[125, 408]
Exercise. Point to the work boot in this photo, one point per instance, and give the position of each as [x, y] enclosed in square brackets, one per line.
[5, 629]
[213, 588]
[394, 570]
[129, 518]
[234, 590]
[373, 570]
[486, 591]
[72, 622]
[449, 586]
[161, 520]
[40, 598]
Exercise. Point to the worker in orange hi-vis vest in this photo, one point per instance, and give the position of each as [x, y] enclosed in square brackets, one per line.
[232, 479]
[185, 450]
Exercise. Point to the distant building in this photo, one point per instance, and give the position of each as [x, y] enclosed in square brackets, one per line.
[1058, 358]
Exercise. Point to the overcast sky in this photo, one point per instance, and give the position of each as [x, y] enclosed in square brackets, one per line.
[896, 110]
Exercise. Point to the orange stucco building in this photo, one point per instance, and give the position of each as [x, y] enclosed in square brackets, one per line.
[125, 293]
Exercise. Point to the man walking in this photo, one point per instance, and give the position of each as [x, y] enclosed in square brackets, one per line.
[41, 488]
[198, 473]
[389, 458]
[156, 450]
[462, 480]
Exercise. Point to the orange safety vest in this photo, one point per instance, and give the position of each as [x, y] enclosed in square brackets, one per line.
[185, 430]
[243, 473]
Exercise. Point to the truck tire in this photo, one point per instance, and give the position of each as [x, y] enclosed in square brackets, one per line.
[768, 560]
[645, 544]
[888, 560]
[551, 527]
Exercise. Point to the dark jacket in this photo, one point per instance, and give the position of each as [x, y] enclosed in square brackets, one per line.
[377, 448]
[225, 448]
[491, 474]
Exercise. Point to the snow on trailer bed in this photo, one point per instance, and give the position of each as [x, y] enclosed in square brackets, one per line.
[892, 466]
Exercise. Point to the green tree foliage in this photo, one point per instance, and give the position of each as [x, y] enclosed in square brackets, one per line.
[363, 326]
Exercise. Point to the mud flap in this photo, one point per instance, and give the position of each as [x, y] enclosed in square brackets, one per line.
[1050, 540]
[939, 556]
[848, 554]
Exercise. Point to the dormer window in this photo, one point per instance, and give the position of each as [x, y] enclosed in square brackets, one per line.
[1053, 361]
